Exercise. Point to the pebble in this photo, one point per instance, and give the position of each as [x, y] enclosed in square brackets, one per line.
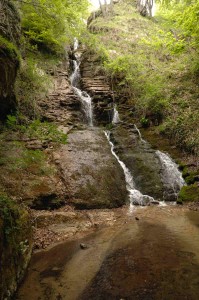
[83, 246]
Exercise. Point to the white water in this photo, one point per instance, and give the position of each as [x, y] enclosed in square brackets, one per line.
[76, 44]
[85, 99]
[139, 134]
[116, 118]
[135, 196]
[172, 177]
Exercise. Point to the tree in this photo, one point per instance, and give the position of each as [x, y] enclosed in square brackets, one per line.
[145, 7]
[50, 23]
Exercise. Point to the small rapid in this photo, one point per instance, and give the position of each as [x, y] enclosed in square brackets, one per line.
[75, 78]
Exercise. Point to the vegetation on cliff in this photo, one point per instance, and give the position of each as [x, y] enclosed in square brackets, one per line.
[15, 245]
[48, 29]
[153, 64]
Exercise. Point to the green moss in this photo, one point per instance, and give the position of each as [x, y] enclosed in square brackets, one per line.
[190, 179]
[13, 220]
[9, 48]
[189, 193]
[185, 173]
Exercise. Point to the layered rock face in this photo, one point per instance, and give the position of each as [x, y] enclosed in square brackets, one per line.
[95, 83]
[9, 62]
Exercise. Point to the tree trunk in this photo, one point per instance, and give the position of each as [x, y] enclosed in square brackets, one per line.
[102, 8]
[145, 7]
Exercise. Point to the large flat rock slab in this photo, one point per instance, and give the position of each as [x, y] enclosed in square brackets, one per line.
[92, 175]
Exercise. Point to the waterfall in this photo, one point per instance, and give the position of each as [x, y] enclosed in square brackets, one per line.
[139, 134]
[171, 176]
[75, 78]
[116, 118]
[135, 196]
[76, 44]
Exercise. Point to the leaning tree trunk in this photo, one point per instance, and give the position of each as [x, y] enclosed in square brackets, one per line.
[145, 7]
[102, 8]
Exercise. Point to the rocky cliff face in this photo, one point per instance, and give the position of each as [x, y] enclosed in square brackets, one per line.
[9, 61]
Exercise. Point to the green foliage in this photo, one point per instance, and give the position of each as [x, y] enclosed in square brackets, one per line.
[50, 23]
[109, 126]
[154, 65]
[11, 121]
[189, 193]
[46, 131]
[16, 227]
[185, 14]
[9, 48]
[43, 131]
[9, 213]
[184, 129]
[31, 85]
[145, 122]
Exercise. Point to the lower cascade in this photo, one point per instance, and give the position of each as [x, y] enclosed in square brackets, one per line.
[135, 196]
[171, 176]
[75, 82]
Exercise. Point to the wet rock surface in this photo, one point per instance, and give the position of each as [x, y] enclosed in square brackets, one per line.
[66, 222]
[153, 258]
[92, 175]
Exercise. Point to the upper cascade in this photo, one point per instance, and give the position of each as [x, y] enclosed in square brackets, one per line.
[116, 118]
[75, 79]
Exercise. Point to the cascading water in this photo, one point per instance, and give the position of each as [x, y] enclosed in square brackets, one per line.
[171, 176]
[139, 134]
[135, 196]
[116, 118]
[75, 82]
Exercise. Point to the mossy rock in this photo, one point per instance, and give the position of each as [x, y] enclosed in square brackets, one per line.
[15, 245]
[189, 194]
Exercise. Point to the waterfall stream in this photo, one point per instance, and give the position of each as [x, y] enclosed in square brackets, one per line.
[135, 196]
[75, 78]
[116, 118]
[170, 175]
